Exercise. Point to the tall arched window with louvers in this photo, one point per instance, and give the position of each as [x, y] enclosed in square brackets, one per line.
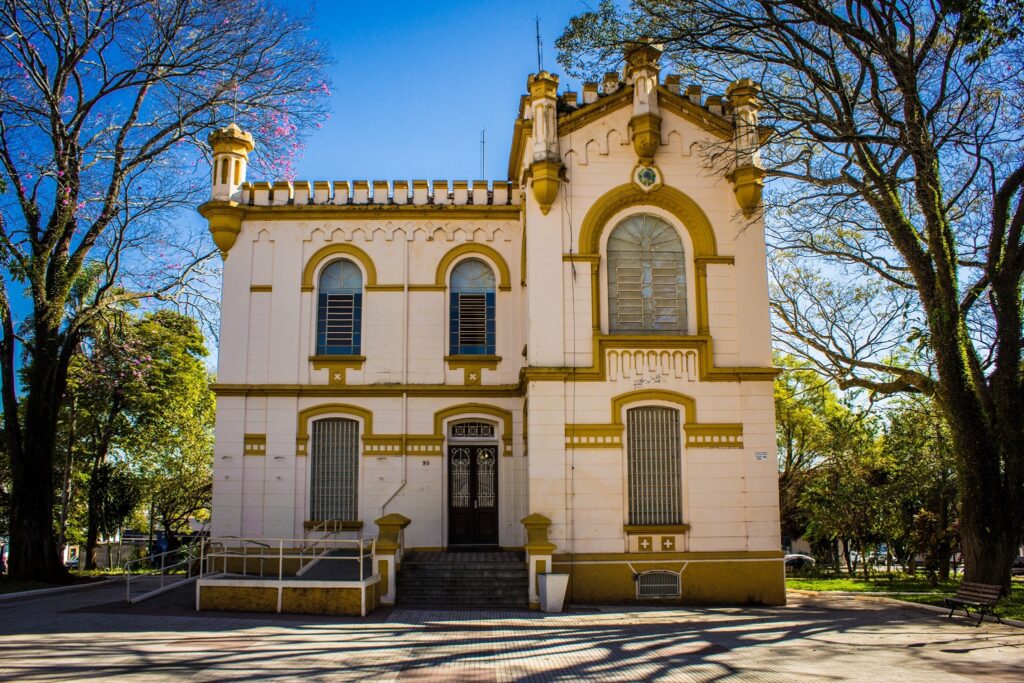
[646, 278]
[339, 310]
[471, 309]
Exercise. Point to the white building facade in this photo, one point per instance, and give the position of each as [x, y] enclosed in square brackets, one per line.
[574, 362]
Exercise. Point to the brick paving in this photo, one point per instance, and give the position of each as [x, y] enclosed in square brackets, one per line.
[89, 635]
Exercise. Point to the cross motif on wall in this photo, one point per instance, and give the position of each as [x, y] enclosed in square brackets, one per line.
[645, 543]
[668, 543]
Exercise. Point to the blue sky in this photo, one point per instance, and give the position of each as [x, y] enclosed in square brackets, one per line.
[414, 82]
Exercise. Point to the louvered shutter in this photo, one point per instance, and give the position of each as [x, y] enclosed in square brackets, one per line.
[646, 277]
[471, 318]
[339, 310]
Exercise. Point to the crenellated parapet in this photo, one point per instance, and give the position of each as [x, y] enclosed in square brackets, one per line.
[380, 192]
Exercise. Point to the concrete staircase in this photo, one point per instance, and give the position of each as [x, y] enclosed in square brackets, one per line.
[456, 579]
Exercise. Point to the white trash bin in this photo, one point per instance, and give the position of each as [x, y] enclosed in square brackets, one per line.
[552, 591]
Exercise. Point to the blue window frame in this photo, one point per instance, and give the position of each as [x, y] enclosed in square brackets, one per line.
[471, 309]
[339, 314]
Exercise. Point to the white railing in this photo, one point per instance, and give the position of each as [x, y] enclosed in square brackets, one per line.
[233, 556]
[173, 567]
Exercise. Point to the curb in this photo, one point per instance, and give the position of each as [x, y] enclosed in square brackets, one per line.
[58, 589]
[895, 601]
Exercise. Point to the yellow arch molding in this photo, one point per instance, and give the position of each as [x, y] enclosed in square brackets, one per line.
[668, 198]
[504, 277]
[696, 223]
[620, 401]
[302, 431]
[338, 250]
[465, 408]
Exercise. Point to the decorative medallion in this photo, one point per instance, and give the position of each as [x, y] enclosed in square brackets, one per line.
[647, 178]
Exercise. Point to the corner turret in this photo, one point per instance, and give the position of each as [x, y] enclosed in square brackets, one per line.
[231, 147]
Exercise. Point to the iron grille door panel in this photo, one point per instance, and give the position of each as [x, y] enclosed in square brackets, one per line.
[334, 475]
[654, 457]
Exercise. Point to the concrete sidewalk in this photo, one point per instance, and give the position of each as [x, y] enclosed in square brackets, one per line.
[90, 635]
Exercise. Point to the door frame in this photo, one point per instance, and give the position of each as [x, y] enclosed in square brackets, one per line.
[445, 474]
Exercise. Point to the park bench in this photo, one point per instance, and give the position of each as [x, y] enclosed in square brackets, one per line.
[981, 596]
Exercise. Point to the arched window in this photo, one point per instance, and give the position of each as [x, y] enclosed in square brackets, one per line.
[654, 458]
[334, 470]
[339, 310]
[646, 277]
[471, 310]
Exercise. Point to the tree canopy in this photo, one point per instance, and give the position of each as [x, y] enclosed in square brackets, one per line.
[894, 203]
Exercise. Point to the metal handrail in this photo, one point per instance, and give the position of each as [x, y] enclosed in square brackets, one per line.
[191, 552]
[365, 549]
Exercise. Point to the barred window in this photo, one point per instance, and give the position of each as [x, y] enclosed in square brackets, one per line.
[471, 311]
[334, 474]
[339, 310]
[646, 277]
[657, 584]
[654, 463]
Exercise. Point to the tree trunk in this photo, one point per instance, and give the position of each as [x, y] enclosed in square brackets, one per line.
[93, 516]
[33, 554]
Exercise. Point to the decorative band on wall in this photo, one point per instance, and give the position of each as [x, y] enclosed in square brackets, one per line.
[593, 436]
[255, 444]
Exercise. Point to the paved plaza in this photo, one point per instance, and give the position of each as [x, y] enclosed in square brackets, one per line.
[88, 635]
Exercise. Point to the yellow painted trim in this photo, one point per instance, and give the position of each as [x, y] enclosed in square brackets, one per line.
[686, 210]
[589, 113]
[460, 361]
[337, 366]
[370, 212]
[261, 288]
[332, 250]
[697, 435]
[598, 372]
[723, 556]
[254, 444]
[593, 436]
[682, 107]
[427, 288]
[302, 429]
[481, 408]
[469, 249]
[385, 288]
[328, 391]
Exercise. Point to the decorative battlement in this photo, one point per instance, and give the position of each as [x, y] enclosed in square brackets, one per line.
[570, 101]
[380, 192]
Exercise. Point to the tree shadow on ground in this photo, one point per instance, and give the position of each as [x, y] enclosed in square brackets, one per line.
[809, 640]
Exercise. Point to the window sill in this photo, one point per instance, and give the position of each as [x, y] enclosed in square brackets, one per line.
[340, 358]
[332, 525]
[656, 528]
[337, 366]
[472, 366]
[477, 359]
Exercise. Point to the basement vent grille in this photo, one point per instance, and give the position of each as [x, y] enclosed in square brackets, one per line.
[657, 585]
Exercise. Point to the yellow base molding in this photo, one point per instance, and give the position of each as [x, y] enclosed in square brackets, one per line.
[705, 578]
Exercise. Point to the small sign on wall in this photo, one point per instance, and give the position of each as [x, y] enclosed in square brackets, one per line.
[761, 455]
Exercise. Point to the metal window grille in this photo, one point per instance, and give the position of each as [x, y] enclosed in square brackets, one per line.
[472, 309]
[646, 277]
[340, 310]
[654, 462]
[471, 430]
[334, 477]
[657, 585]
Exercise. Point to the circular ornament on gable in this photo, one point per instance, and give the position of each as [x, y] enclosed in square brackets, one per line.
[647, 178]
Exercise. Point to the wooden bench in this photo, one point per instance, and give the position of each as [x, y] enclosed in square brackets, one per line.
[982, 596]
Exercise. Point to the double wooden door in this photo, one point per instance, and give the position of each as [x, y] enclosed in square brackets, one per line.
[472, 495]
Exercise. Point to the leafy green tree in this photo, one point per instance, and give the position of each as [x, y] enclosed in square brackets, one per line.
[804, 403]
[104, 106]
[895, 207]
[844, 498]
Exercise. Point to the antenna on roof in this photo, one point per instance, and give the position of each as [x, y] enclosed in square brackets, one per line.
[540, 48]
[483, 153]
